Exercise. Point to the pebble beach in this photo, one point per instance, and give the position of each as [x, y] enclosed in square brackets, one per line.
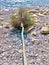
[36, 41]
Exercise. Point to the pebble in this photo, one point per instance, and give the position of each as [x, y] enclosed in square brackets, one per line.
[37, 41]
[1, 51]
[1, 26]
[34, 15]
[48, 39]
[6, 10]
[33, 11]
[5, 63]
[33, 33]
[36, 51]
[39, 60]
[46, 12]
[6, 26]
[45, 30]
[39, 14]
[13, 63]
[20, 51]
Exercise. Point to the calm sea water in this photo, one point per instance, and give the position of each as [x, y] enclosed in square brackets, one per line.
[16, 3]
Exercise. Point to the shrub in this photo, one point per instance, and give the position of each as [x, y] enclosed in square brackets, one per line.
[22, 16]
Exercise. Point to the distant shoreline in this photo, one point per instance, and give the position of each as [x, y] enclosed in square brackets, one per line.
[33, 7]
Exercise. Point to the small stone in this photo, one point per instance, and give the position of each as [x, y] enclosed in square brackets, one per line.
[48, 39]
[46, 12]
[39, 60]
[4, 58]
[7, 27]
[3, 54]
[13, 63]
[34, 15]
[5, 63]
[29, 43]
[1, 51]
[6, 10]
[45, 30]
[1, 61]
[1, 26]
[39, 14]
[33, 33]
[9, 46]
[45, 39]
[20, 51]
[32, 55]
[33, 11]
[31, 61]
[46, 24]
[37, 41]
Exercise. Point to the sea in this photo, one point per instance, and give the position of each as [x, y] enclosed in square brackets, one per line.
[22, 3]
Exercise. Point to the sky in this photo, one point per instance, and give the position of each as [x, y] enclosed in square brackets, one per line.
[33, 2]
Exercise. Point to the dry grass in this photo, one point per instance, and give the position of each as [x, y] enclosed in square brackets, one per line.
[21, 16]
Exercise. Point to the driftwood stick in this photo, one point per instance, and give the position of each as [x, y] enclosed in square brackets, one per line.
[24, 53]
[30, 28]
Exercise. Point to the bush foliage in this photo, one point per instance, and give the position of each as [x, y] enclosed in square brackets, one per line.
[22, 16]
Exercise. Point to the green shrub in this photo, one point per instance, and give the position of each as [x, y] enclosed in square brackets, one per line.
[22, 16]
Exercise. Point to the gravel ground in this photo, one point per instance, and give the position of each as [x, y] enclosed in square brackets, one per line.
[37, 47]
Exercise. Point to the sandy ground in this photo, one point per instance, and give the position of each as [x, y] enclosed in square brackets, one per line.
[11, 45]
